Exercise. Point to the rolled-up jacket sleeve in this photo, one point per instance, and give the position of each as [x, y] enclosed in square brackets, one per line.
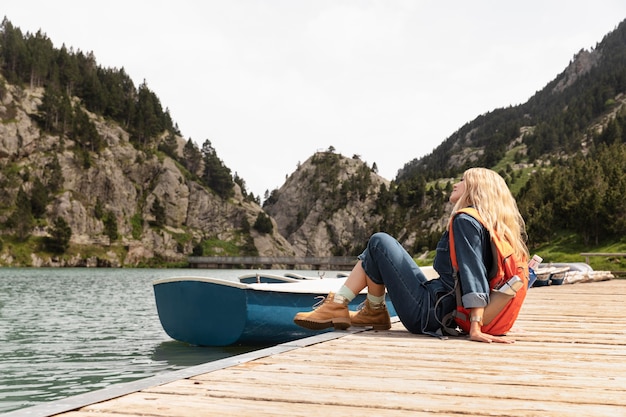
[473, 253]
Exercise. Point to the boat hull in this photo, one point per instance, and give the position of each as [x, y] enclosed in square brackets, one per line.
[213, 312]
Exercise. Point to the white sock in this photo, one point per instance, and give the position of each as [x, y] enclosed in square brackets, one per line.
[375, 300]
[346, 293]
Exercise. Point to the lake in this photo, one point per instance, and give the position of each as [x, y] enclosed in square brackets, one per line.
[64, 332]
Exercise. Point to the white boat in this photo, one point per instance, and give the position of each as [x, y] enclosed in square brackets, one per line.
[257, 308]
[215, 312]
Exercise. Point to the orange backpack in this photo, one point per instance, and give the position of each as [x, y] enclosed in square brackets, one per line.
[503, 309]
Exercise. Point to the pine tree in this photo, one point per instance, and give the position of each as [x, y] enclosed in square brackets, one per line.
[192, 158]
[38, 198]
[263, 223]
[22, 220]
[158, 211]
[60, 234]
[216, 175]
[110, 226]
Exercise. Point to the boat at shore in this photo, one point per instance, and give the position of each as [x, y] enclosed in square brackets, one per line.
[256, 309]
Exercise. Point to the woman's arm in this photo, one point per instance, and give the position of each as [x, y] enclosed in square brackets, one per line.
[473, 253]
[471, 241]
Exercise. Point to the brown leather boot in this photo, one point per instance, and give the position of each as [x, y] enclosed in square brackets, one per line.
[377, 318]
[328, 314]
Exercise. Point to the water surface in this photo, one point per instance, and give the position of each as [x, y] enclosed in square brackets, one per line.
[68, 331]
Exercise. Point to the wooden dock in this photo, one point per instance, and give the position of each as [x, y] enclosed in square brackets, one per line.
[569, 359]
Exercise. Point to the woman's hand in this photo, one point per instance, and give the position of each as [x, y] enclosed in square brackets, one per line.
[477, 335]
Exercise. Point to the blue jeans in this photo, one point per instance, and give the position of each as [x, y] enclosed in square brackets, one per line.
[414, 297]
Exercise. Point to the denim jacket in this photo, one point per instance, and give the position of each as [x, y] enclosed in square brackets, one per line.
[474, 256]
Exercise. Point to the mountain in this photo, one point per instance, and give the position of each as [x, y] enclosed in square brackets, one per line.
[563, 153]
[123, 205]
[328, 206]
[555, 120]
[93, 171]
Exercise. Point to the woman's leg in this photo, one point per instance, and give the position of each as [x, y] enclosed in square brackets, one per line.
[358, 279]
[384, 263]
[387, 264]
[334, 311]
[373, 312]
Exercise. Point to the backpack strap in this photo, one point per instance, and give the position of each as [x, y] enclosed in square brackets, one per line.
[467, 210]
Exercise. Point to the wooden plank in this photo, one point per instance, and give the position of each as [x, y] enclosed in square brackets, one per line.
[429, 380]
[569, 358]
[168, 405]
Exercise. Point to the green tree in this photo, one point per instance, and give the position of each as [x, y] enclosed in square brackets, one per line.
[90, 89]
[613, 160]
[40, 51]
[22, 220]
[118, 94]
[98, 209]
[245, 225]
[263, 223]
[192, 157]
[611, 134]
[148, 122]
[13, 52]
[216, 175]
[54, 175]
[55, 111]
[60, 235]
[68, 72]
[39, 198]
[587, 199]
[84, 131]
[110, 226]
[158, 211]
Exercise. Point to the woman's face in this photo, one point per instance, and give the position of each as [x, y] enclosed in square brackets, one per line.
[457, 191]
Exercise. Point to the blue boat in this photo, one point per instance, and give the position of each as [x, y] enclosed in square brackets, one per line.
[258, 311]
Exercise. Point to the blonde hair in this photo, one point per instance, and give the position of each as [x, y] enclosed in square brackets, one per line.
[487, 192]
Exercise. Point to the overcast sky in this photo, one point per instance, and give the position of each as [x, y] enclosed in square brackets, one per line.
[271, 82]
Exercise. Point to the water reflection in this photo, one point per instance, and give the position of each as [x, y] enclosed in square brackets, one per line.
[182, 355]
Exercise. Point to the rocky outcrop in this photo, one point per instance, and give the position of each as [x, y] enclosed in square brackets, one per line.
[122, 182]
[327, 206]
[580, 65]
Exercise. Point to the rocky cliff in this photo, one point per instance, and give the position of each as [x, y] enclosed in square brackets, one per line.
[327, 207]
[118, 184]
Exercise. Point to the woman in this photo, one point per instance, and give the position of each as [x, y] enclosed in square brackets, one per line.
[421, 304]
